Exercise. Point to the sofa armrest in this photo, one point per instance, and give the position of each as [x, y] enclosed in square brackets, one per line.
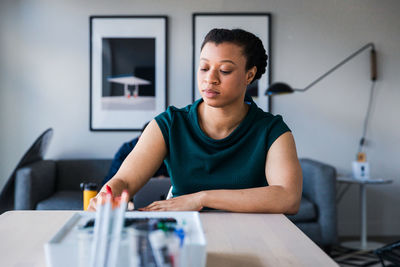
[319, 186]
[33, 183]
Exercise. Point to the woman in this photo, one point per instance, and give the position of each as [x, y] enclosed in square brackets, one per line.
[222, 152]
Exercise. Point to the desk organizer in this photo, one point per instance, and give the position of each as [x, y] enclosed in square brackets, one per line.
[72, 244]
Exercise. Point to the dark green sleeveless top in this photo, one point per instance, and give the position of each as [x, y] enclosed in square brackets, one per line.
[197, 162]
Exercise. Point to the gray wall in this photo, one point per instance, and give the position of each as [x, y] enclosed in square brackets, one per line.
[44, 81]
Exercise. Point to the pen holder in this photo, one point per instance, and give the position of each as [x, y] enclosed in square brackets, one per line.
[89, 191]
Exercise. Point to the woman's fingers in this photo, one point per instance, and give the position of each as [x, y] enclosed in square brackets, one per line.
[92, 204]
[131, 206]
[162, 205]
[94, 201]
[187, 202]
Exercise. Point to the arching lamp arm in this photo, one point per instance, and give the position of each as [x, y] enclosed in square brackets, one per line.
[373, 66]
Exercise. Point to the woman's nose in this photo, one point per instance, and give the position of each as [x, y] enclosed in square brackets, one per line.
[212, 77]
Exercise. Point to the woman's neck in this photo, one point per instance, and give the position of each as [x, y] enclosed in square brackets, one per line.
[219, 122]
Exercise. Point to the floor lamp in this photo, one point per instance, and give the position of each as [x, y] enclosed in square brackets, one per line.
[280, 88]
[360, 166]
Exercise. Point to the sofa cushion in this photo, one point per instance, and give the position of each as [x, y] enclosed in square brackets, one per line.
[62, 200]
[307, 212]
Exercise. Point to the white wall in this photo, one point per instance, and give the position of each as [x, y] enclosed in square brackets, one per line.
[44, 82]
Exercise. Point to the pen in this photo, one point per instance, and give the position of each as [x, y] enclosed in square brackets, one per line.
[96, 232]
[117, 226]
[104, 232]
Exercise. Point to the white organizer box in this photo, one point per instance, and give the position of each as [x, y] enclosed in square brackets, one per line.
[71, 246]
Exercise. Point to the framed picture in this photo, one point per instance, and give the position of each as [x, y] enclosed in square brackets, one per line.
[256, 23]
[128, 71]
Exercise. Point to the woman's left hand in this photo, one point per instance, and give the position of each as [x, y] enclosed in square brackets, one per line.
[181, 203]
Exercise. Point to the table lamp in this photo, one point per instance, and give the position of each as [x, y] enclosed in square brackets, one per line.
[360, 166]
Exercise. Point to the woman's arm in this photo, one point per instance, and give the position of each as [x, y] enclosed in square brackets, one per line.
[284, 176]
[139, 165]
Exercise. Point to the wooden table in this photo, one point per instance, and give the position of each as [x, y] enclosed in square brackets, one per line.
[233, 239]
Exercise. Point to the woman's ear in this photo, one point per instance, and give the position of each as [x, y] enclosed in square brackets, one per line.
[251, 73]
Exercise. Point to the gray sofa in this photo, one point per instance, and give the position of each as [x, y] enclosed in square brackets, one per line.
[54, 185]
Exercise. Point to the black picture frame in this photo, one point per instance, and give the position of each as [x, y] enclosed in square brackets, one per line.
[128, 71]
[257, 23]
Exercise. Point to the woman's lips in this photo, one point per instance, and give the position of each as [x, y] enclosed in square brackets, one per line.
[210, 93]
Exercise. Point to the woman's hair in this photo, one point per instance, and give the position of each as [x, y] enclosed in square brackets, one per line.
[253, 48]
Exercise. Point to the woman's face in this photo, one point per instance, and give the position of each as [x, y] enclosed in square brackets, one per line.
[222, 77]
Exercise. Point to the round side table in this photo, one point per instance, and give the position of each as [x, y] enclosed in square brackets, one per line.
[363, 244]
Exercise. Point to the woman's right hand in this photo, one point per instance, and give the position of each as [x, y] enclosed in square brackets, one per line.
[94, 201]
[101, 196]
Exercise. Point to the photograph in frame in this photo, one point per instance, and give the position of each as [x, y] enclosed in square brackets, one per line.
[128, 74]
[256, 23]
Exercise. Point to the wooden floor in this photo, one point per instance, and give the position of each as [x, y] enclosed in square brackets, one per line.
[380, 239]
[346, 257]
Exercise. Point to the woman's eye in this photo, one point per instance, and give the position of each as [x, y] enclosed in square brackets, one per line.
[203, 69]
[225, 71]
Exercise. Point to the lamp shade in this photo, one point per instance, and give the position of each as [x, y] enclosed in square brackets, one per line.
[278, 89]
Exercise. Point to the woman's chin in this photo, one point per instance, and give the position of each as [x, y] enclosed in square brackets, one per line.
[213, 102]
